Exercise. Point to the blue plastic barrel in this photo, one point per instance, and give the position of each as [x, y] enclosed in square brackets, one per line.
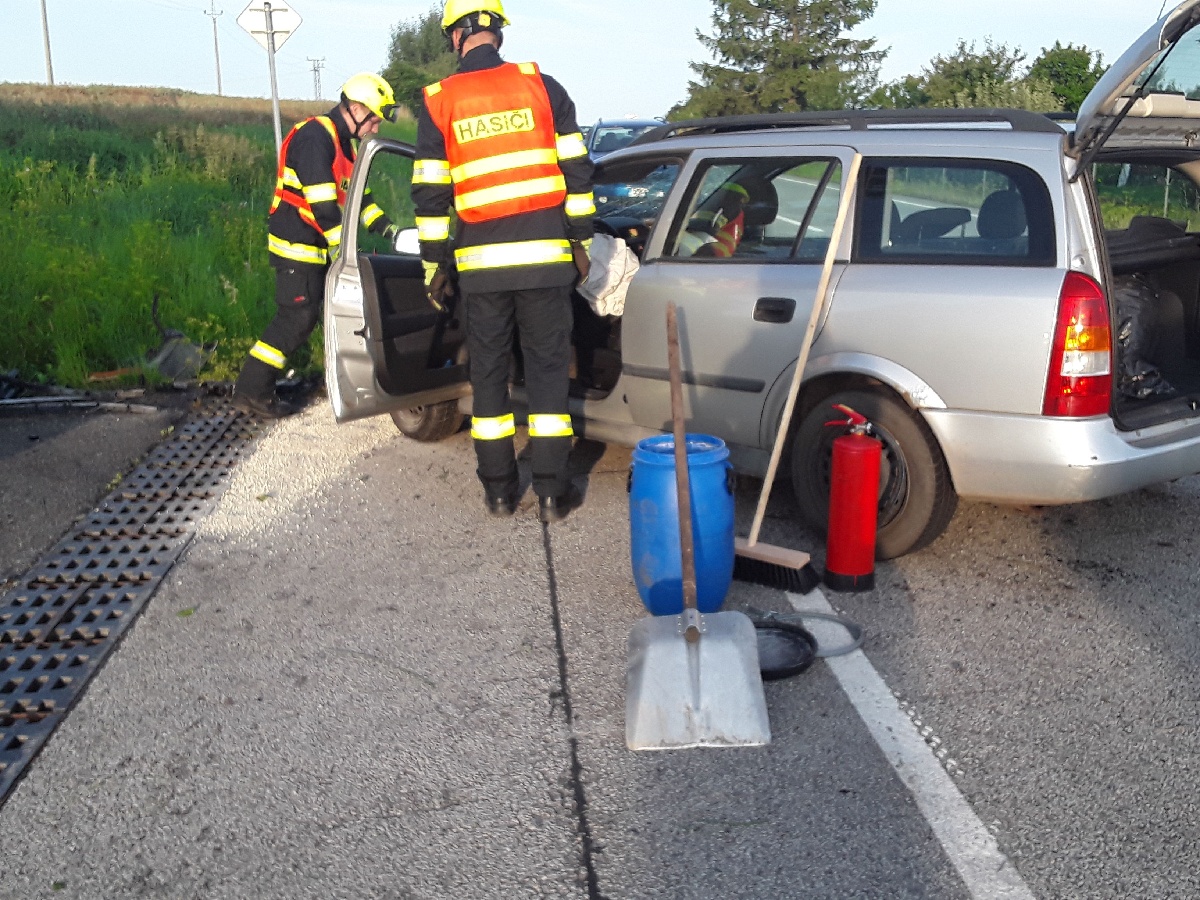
[654, 523]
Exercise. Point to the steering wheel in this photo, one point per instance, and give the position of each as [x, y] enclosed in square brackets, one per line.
[633, 232]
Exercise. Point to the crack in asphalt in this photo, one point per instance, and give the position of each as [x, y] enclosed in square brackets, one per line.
[583, 826]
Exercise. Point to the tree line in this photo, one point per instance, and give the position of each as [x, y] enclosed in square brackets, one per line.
[783, 56]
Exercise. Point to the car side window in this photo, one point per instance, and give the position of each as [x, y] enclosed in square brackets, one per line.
[769, 209]
[1127, 190]
[388, 192]
[813, 241]
[969, 212]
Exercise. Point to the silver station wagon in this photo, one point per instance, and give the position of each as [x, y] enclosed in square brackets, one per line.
[1014, 302]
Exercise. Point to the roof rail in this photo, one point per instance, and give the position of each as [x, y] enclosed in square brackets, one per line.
[854, 119]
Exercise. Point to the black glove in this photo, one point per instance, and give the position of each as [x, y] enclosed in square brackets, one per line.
[580, 253]
[437, 286]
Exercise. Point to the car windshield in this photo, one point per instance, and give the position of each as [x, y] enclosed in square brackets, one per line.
[609, 138]
[636, 190]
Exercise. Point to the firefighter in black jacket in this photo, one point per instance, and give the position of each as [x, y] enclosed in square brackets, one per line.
[305, 230]
[499, 142]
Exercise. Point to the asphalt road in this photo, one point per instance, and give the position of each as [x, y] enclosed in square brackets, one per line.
[354, 684]
[57, 464]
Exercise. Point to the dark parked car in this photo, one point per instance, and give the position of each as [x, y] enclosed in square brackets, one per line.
[608, 135]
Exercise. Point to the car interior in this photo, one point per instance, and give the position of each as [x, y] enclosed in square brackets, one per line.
[973, 212]
[1154, 252]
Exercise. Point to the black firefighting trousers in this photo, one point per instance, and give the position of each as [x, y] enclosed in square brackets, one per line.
[543, 318]
[299, 299]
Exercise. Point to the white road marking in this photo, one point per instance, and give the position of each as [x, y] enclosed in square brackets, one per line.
[987, 873]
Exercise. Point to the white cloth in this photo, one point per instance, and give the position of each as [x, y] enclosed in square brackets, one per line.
[613, 266]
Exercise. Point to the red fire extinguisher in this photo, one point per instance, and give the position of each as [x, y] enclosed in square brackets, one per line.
[853, 505]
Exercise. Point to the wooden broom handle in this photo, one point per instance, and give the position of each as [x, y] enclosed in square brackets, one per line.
[682, 481]
[818, 309]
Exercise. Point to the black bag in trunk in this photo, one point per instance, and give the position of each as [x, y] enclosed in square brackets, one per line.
[1137, 300]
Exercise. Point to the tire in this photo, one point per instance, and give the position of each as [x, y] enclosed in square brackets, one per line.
[427, 424]
[916, 496]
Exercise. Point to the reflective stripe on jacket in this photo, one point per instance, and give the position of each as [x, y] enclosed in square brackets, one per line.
[501, 145]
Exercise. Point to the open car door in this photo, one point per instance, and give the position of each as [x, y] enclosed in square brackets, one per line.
[1150, 97]
[386, 349]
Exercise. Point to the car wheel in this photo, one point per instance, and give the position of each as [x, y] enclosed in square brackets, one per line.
[433, 422]
[916, 497]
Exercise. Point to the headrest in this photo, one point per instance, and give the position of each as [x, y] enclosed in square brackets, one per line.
[762, 204]
[1002, 216]
[610, 142]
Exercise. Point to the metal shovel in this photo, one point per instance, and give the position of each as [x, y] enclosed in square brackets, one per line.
[693, 680]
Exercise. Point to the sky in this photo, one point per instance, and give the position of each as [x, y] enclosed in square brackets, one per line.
[615, 57]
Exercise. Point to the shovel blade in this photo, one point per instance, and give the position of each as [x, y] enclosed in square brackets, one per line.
[703, 694]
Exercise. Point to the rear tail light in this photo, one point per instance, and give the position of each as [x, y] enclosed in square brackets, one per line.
[1079, 382]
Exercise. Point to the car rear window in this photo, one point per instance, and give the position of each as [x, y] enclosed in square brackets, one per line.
[969, 212]
[608, 139]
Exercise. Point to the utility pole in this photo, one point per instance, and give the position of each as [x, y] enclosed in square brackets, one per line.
[216, 47]
[46, 44]
[318, 64]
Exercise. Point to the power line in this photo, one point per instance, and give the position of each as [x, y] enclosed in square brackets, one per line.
[317, 65]
[212, 12]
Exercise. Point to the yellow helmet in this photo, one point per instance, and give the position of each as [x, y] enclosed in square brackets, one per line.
[457, 9]
[372, 92]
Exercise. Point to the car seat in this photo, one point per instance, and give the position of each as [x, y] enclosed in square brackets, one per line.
[610, 142]
[758, 207]
[761, 208]
[925, 224]
[1002, 216]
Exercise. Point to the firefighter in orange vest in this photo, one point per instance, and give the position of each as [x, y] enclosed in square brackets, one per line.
[718, 232]
[305, 230]
[499, 143]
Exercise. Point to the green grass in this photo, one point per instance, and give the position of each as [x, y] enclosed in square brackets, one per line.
[110, 198]
[1118, 206]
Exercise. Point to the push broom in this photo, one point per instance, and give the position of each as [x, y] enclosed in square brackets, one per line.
[767, 564]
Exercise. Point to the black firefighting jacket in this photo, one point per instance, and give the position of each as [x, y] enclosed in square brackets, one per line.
[308, 170]
[433, 198]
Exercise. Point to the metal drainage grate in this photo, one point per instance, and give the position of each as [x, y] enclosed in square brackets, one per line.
[57, 628]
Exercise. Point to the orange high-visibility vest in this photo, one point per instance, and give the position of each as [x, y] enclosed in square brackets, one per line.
[729, 236]
[501, 145]
[293, 193]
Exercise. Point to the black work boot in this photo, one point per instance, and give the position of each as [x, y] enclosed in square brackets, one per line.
[555, 509]
[500, 494]
[254, 392]
[271, 408]
[501, 506]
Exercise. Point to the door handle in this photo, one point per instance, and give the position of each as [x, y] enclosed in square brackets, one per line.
[776, 310]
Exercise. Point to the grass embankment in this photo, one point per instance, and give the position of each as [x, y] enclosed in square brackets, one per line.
[112, 196]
